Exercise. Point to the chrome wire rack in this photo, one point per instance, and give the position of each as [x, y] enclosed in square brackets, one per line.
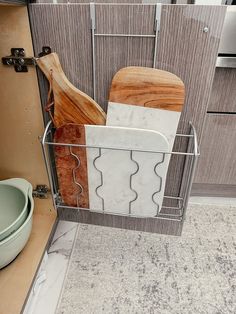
[173, 213]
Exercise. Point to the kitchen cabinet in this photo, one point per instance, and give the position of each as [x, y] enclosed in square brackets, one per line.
[184, 48]
[216, 171]
[223, 94]
[20, 154]
[217, 164]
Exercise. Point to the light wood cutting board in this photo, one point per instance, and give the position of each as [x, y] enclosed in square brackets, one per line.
[146, 98]
[147, 87]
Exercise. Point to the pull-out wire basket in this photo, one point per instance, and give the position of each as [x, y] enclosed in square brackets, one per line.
[174, 212]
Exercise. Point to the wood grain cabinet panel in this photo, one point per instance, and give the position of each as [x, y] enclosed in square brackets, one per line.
[11, 2]
[187, 51]
[67, 30]
[223, 95]
[114, 53]
[217, 163]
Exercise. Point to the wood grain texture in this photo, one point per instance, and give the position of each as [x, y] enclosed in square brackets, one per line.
[21, 115]
[185, 50]
[147, 87]
[17, 277]
[217, 163]
[114, 53]
[13, 2]
[223, 94]
[70, 104]
[70, 167]
[104, 1]
[215, 190]
[66, 29]
[153, 225]
[97, 1]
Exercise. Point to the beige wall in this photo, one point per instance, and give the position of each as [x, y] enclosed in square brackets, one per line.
[20, 110]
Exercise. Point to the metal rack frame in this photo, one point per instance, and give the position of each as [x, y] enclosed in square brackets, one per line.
[154, 36]
[174, 213]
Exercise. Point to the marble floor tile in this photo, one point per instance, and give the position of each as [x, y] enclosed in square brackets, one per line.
[47, 288]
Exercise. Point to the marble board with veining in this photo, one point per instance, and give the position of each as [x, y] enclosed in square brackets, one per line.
[121, 181]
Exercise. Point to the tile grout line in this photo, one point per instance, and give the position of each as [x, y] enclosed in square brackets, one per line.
[68, 267]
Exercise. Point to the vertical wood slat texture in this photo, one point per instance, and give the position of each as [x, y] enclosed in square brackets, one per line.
[104, 1]
[189, 52]
[140, 224]
[217, 163]
[113, 53]
[183, 49]
[66, 29]
[12, 2]
[223, 95]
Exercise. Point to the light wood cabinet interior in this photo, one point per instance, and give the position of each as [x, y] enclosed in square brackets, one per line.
[20, 153]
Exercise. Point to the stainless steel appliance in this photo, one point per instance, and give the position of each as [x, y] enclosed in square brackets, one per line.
[227, 49]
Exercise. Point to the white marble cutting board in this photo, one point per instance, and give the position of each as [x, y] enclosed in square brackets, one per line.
[163, 121]
[118, 188]
[129, 116]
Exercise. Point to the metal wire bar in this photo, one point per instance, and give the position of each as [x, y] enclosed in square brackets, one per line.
[130, 181]
[125, 35]
[74, 174]
[160, 186]
[182, 200]
[156, 28]
[119, 148]
[174, 197]
[101, 176]
[192, 168]
[45, 156]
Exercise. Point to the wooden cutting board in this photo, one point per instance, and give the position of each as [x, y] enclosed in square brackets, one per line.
[147, 87]
[146, 98]
[71, 164]
[70, 104]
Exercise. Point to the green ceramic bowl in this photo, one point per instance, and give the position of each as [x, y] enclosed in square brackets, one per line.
[13, 205]
[13, 245]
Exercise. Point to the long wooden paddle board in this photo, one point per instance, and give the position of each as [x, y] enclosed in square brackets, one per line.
[71, 164]
[70, 104]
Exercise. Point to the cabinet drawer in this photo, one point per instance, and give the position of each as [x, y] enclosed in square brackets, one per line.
[217, 163]
[223, 94]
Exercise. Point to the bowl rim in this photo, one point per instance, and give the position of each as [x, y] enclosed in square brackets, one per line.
[16, 232]
[24, 209]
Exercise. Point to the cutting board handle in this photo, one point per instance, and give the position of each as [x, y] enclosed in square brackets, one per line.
[70, 104]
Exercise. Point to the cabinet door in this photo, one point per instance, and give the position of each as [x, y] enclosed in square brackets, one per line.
[223, 95]
[217, 163]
